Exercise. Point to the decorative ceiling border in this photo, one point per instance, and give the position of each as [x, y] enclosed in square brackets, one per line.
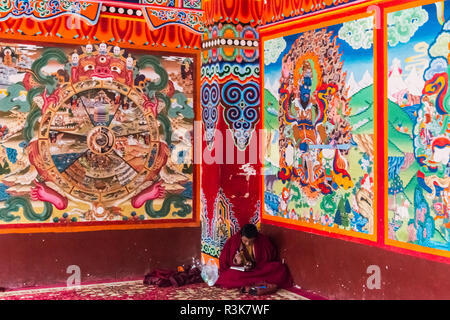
[161, 13]
[158, 17]
[186, 4]
[122, 11]
[42, 10]
[259, 13]
[183, 13]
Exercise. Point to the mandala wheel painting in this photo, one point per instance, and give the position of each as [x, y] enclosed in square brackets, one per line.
[99, 143]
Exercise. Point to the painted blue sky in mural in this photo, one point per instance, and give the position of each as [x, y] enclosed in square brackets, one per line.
[357, 61]
[413, 50]
[422, 25]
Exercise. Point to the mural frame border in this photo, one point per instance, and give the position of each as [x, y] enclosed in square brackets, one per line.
[194, 221]
[415, 248]
[302, 25]
[380, 59]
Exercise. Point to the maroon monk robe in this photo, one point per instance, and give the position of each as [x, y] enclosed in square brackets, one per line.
[267, 268]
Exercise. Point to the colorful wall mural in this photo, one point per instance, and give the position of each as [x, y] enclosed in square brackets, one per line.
[62, 135]
[418, 127]
[94, 134]
[319, 128]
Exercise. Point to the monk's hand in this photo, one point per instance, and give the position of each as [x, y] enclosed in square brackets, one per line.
[248, 266]
[237, 260]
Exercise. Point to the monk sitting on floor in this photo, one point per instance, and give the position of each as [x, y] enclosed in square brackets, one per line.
[255, 252]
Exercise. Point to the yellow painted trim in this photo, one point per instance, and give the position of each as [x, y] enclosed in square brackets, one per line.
[417, 248]
[332, 231]
[62, 229]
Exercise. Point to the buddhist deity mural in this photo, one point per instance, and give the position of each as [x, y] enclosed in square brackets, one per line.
[96, 133]
[319, 131]
[418, 130]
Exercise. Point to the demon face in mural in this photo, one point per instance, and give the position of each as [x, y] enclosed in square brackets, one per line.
[105, 135]
[312, 173]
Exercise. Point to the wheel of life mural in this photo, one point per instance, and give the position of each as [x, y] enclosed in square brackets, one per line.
[103, 136]
[99, 143]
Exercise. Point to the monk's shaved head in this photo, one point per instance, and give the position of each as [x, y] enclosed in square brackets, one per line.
[249, 231]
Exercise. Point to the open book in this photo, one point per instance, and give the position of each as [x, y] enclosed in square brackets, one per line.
[239, 268]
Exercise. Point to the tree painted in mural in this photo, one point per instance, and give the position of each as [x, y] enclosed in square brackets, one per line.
[319, 150]
[94, 134]
[418, 130]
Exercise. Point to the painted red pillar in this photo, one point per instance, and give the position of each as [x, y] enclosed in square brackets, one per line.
[230, 96]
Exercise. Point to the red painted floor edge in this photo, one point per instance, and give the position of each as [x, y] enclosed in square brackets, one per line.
[306, 294]
[61, 285]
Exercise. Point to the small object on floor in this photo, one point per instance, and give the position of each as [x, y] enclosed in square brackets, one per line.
[210, 273]
[260, 289]
[159, 277]
[167, 278]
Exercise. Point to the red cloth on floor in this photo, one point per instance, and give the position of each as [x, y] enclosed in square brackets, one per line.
[167, 278]
[267, 267]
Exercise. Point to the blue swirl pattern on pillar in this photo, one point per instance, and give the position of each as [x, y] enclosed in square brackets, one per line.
[210, 101]
[241, 102]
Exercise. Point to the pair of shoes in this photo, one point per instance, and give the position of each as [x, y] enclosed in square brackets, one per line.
[249, 290]
[244, 290]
